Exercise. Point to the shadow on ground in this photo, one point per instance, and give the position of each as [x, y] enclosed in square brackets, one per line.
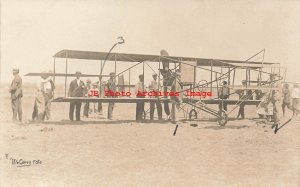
[117, 122]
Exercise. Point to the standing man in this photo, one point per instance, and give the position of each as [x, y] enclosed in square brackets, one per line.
[139, 89]
[48, 94]
[111, 87]
[295, 99]
[286, 101]
[41, 98]
[76, 89]
[223, 94]
[100, 87]
[153, 86]
[87, 104]
[242, 96]
[275, 97]
[16, 95]
[167, 79]
[176, 100]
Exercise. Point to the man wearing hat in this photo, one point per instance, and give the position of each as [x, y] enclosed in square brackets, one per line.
[16, 95]
[275, 97]
[167, 81]
[176, 100]
[76, 89]
[111, 87]
[153, 87]
[295, 99]
[48, 93]
[88, 87]
[223, 94]
[139, 88]
[242, 96]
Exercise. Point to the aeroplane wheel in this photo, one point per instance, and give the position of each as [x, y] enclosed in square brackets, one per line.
[223, 118]
[193, 114]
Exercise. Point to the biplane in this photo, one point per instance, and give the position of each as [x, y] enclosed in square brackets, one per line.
[197, 75]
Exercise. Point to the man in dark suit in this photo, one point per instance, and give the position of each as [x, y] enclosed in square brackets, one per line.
[223, 94]
[76, 89]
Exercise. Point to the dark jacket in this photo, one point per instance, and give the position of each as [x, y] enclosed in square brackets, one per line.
[76, 90]
[111, 86]
[224, 92]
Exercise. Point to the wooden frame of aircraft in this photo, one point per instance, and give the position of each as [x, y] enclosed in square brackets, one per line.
[218, 70]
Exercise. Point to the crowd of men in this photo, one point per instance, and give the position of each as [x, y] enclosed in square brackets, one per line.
[77, 88]
[269, 106]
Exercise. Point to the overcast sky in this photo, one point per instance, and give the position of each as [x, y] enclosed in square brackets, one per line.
[33, 31]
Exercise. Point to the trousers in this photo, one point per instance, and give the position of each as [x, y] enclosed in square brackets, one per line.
[166, 104]
[110, 110]
[16, 105]
[223, 105]
[276, 106]
[86, 109]
[99, 107]
[295, 102]
[152, 109]
[74, 105]
[241, 111]
[139, 110]
[47, 106]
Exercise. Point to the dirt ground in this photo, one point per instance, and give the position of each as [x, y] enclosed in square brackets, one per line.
[122, 152]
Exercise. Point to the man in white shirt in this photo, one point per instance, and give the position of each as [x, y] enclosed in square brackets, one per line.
[153, 86]
[48, 94]
[139, 89]
[39, 109]
[295, 99]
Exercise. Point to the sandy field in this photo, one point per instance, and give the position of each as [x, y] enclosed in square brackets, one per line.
[121, 152]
